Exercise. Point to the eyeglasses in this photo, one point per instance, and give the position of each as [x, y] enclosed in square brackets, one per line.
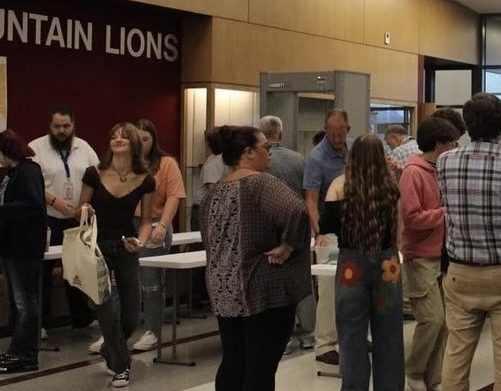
[266, 146]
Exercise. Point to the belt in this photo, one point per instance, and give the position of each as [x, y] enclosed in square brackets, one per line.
[475, 264]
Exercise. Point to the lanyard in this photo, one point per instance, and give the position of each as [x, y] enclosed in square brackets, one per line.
[65, 158]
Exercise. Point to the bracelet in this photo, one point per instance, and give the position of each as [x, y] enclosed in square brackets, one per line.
[53, 200]
[162, 225]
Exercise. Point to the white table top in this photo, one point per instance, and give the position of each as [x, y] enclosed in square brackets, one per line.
[187, 260]
[180, 238]
[324, 269]
[54, 252]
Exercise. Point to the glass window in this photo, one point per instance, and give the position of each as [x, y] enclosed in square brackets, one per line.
[493, 81]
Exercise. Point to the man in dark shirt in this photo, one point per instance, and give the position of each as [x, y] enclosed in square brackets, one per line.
[288, 166]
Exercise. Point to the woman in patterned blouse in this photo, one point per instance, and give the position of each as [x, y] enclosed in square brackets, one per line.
[256, 233]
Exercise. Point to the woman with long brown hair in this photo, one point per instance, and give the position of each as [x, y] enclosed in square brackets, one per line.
[112, 190]
[361, 209]
[169, 191]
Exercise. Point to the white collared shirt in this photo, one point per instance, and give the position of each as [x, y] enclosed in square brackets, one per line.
[54, 174]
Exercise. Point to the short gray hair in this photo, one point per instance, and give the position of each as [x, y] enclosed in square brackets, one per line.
[270, 125]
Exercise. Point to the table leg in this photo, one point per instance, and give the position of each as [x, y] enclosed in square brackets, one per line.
[173, 360]
[44, 347]
[190, 300]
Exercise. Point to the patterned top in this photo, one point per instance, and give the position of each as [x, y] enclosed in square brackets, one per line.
[240, 221]
[405, 150]
[470, 181]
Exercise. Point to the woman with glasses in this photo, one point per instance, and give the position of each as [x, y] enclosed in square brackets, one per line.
[255, 230]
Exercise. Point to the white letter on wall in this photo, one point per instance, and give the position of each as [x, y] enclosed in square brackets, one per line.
[170, 54]
[109, 49]
[22, 31]
[155, 44]
[130, 37]
[38, 26]
[55, 33]
[80, 35]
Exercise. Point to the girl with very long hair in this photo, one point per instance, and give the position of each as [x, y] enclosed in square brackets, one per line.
[361, 209]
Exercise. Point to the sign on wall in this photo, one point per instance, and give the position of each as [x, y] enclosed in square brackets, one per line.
[110, 61]
[3, 93]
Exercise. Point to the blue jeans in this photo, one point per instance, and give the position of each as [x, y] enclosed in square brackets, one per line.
[370, 290]
[23, 276]
[153, 285]
[118, 327]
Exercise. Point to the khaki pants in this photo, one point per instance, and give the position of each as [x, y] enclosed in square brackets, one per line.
[325, 326]
[424, 361]
[470, 294]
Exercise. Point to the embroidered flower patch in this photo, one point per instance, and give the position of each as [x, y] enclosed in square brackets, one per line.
[350, 274]
[391, 270]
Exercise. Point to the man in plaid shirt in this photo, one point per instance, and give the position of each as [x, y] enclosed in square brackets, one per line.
[402, 147]
[470, 181]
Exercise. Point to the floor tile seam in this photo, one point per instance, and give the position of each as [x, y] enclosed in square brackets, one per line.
[84, 363]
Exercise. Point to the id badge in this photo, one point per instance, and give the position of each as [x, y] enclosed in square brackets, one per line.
[68, 191]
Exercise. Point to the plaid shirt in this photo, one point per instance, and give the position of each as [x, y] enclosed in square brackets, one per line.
[470, 180]
[404, 150]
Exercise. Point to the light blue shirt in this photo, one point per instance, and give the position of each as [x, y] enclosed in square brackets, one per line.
[323, 164]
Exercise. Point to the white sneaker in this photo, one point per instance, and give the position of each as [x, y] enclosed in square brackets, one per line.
[147, 341]
[95, 347]
[43, 334]
[121, 379]
[416, 384]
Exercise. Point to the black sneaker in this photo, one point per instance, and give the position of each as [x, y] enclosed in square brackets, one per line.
[10, 363]
[331, 357]
[121, 379]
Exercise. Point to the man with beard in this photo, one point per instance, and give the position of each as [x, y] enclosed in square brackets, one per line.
[63, 158]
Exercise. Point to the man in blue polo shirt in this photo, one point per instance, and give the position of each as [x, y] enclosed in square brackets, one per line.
[325, 162]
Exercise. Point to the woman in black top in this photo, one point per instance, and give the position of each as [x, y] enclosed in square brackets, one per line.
[112, 191]
[361, 209]
[23, 234]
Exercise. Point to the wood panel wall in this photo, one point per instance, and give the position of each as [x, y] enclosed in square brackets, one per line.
[244, 37]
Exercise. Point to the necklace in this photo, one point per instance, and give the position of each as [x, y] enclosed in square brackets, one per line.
[123, 177]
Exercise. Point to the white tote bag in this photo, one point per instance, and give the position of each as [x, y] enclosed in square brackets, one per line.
[84, 266]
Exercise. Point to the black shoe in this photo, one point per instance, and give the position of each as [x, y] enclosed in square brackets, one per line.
[10, 363]
[331, 357]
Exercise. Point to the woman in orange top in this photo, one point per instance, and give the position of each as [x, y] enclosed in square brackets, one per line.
[169, 190]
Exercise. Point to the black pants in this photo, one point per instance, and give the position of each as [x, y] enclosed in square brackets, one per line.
[118, 327]
[252, 349]
[22, 275]
[81, 314]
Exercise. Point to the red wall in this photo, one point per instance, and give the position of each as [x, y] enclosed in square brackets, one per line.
[102, 88]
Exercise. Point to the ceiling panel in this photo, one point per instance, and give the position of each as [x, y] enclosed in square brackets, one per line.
[482, 6]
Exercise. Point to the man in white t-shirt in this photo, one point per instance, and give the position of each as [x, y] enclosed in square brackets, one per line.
[63, 158]
[211, 172]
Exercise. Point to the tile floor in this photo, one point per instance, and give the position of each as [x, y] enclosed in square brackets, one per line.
[72, 368]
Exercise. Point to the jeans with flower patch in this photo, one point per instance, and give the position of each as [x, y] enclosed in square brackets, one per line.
[370, 290]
